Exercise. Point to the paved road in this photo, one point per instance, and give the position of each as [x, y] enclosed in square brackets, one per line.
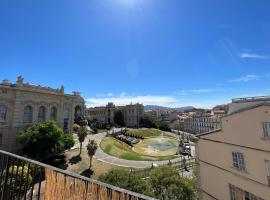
[100, 155]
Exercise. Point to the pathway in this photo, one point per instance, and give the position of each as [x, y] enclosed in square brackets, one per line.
[100, 155]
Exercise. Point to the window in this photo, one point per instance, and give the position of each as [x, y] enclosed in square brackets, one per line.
[41, 114]
[3, 113]
[27, 114]
[53, 113]
[266, 129]
[267, 162]
[66, 113]
[1, 139]
[232, 192]
[238, 161]
[249, 196]
[237, 193]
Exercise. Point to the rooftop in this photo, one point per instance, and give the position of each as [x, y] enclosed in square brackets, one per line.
[24, 85]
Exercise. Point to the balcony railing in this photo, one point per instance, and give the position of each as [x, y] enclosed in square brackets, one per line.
[248, 99]
[22, 178]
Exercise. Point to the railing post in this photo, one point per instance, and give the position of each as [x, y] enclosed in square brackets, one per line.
[6, 179]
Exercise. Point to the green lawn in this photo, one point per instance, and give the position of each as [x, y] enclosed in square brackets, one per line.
[120, 149]
[144, 132]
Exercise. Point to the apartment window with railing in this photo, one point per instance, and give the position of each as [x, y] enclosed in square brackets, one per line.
[267, 162]
[238, 161]
[266, 129]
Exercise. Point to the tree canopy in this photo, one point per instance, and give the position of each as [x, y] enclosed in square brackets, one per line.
[163, 183]
[82, 133]
[119, 118]
[167, 184]
[44, 140]
[161, 125]
[126, 179]
[91, 150]
[147, 122]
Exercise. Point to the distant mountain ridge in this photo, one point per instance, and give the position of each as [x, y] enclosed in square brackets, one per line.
[155, 107]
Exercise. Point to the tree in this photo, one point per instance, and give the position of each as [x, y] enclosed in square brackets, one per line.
[147, 122]
[126, 179]
[94, 130]
[82, 133]
[44, 140]
[167, 184]
[68, 140]
[75, 127]
[161, 125]
[119, 118]
[91, 150]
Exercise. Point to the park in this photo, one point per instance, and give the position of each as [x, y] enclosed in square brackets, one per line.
[142, 156]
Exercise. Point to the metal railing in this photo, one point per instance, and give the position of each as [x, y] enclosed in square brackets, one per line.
[180, 166]
[248, 99]
[22, 178]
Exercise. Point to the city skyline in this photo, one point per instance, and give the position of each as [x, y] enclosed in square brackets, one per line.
[182, 53]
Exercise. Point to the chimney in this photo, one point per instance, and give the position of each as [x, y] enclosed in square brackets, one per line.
[20, 80]
[5, 82]
[76, 93]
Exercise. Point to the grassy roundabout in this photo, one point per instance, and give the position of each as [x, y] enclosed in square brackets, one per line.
[122, 150]
[144, 132]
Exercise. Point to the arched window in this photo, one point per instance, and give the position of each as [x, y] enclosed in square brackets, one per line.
[28, 114]
[3, 113]
[78, 112]
[66, 113]
[41, 114]
[53, 113]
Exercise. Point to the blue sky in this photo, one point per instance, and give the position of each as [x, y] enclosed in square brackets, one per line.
[166, 52]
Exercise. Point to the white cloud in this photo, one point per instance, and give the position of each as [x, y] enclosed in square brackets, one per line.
[125, 99]
[252, 56]
[123, 94]
[198, 91]
[105, 95]
[246, 78]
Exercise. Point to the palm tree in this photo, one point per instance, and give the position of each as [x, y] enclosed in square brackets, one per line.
[91, 149]
[82, 133]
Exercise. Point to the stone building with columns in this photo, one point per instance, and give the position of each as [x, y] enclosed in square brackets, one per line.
[132, 113]
[23, 104]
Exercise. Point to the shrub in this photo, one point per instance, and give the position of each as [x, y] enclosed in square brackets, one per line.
[44, 140]
[126, 179]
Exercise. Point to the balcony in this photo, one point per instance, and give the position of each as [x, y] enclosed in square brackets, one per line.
[22, 178]
[251, 99]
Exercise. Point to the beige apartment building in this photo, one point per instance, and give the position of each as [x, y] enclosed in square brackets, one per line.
[200, 124]
[132, 113]
[234, 161]
[23, 104]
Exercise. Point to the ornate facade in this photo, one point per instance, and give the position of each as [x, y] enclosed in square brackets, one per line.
[132, 113]
[23, 104]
